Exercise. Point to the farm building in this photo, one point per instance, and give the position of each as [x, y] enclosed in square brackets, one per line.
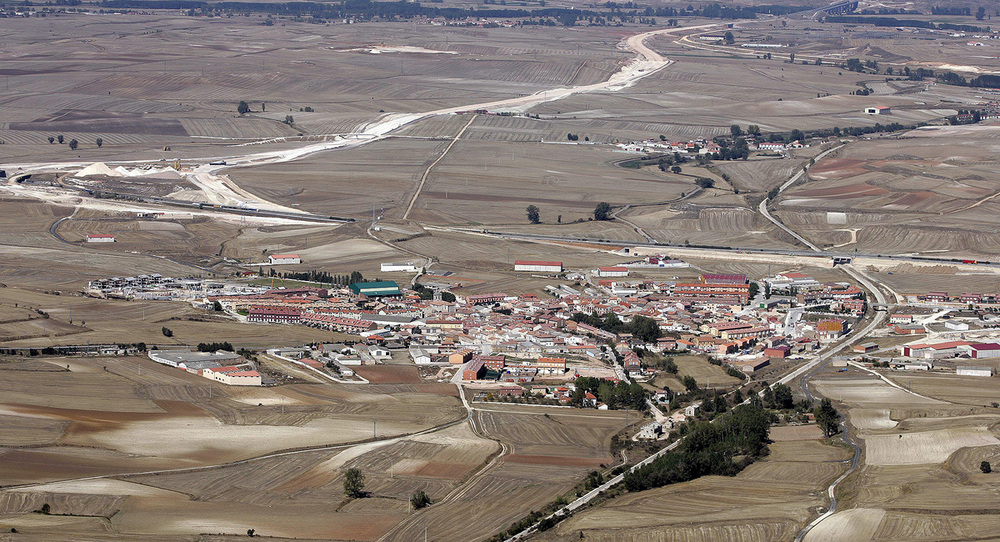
[974, 371]
[100, 238]
[385, 288]
[878, 110]
[419, 355]
[942, 350]
[865, 348]
[777, 352]
[616, 271]
[544, 267]
[984, 350]
[771, 146]
[284, 259]
[233, 376]
[956, 326]
[398, 267]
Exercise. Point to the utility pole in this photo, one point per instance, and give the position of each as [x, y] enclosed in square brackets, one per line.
[374, 433]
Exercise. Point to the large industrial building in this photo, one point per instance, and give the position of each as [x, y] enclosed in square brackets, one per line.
[384, 288]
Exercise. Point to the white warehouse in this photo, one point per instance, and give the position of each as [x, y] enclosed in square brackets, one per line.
[544, 267]
[616, 271]
[974, 371]
[402, 267]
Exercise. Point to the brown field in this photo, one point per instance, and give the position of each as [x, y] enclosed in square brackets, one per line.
[919, 478]
[548, 451]
[770, 500]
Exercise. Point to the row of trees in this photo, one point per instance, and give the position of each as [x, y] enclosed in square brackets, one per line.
[722, 448]
[73, 143]
[601, 212]
[321, 277]
[617, 395]
[215, 347]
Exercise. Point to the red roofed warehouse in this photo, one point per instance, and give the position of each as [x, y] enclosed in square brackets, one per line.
[284, 259]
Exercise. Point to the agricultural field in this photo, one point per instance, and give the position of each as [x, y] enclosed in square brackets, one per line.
[902, 195]
[545, 453]
[772, 499]
[920, 476]
[113, 417]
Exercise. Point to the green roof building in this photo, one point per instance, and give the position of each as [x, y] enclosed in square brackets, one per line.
[385, 288]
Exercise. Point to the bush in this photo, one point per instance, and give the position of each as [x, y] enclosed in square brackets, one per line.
[420, 500]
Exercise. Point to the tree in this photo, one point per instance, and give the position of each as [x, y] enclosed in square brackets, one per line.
[827, 418]
[690, 384]
[644, 328]
[704, 182]
[73, 144]
[216, 306]
[729, 38]
[251, 532]
[243, 108]
[166, 332]
[753, 130]
[980, 13]
[736, 130]
[985, 465]
[59, 138]
[783, 396]
[533, 216]
[51, 140]
[676, 170]
[289, 120]
[602, 211]
[99, 142]
[791, 58]
[354, 483]
[419, 500]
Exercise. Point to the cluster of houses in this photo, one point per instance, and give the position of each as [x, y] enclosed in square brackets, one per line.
[702, 146]
[516, 339]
